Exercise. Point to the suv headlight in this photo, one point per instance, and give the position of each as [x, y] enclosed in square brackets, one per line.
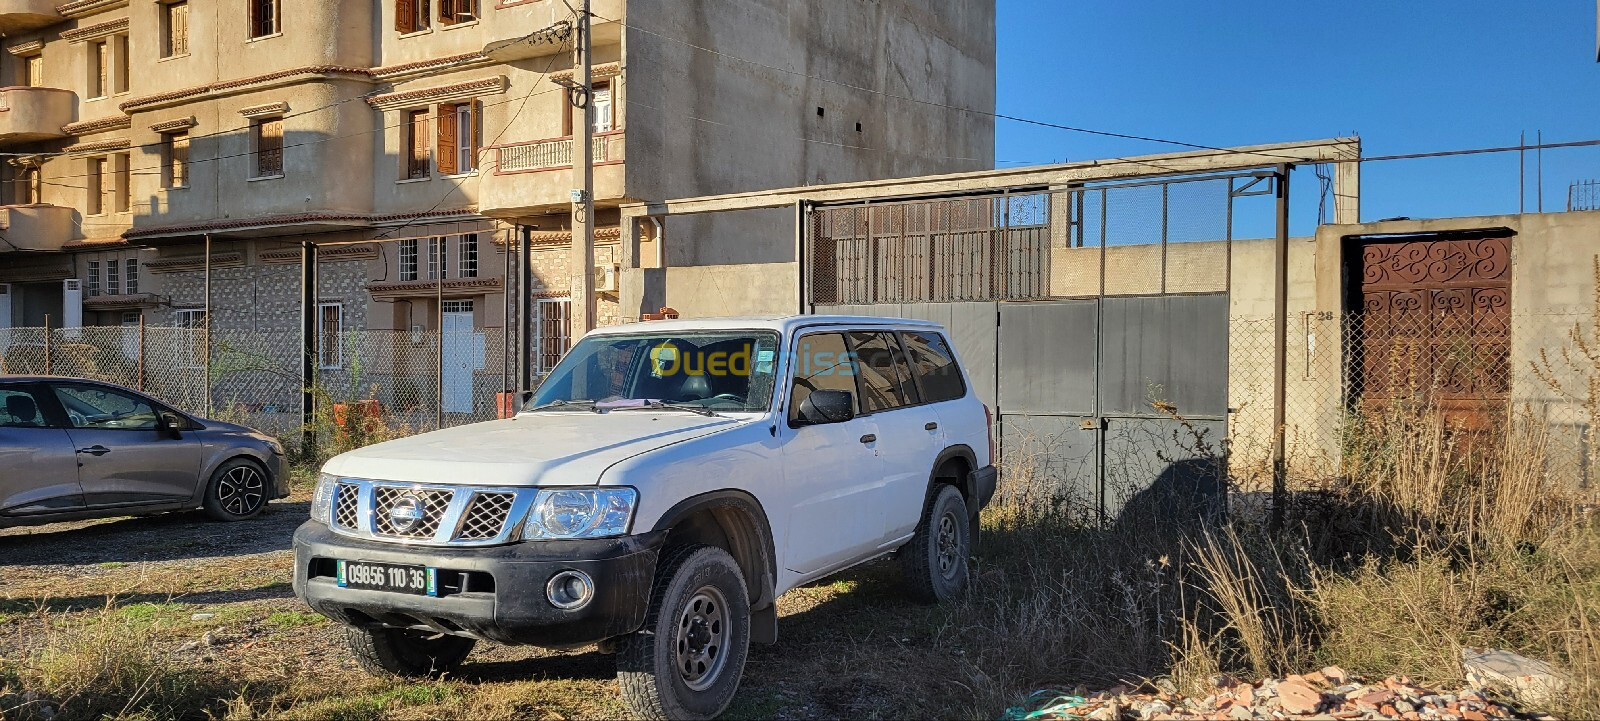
[580, 513]
[322, 498]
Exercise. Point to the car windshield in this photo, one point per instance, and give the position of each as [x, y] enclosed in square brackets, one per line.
[721, 371]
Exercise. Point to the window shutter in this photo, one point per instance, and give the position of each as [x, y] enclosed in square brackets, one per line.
[420, 143]
[447, 139]
[405, 16]
[179, 27]
[269, 147]
[474, 131]
[447, 11]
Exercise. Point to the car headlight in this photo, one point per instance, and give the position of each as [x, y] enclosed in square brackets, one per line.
[580, 513]
[322, 498]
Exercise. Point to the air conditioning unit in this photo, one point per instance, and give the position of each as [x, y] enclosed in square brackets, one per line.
[72, 303]
[606, 278]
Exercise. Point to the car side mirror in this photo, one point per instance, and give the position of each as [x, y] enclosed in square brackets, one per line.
[823, 407]
[170, 424]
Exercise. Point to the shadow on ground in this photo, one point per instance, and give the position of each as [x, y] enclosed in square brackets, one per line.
[164, 537]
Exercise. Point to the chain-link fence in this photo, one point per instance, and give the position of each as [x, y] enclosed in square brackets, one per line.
[411, 381]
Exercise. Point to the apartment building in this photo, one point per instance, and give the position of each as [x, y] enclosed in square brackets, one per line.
[407, 139]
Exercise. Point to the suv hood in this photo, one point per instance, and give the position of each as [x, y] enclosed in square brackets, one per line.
[549, 448]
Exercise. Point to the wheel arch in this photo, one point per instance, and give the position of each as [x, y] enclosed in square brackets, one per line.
[216, 462]
[964, 461]
[736, 522]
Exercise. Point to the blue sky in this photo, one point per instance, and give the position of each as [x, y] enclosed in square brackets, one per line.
[1407, 75]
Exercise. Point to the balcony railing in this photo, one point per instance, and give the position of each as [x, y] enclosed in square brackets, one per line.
[555, 153]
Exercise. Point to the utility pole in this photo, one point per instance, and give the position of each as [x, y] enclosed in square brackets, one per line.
[582, 263]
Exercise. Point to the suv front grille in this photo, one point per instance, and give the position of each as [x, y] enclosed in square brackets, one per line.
[449, 514]
[431, 502]
[486, 516]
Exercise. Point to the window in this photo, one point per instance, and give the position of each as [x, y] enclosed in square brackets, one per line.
[122, 190]
[175, 29]
[105, 408]
[119, 64]
[193, 319]
[456, 306]
[604, 109]
[934, 366]
[131, 278]
[457, 11]
[91, 282]
[416, 141]
[131, 317]
[33, 71]
[19, 409]
[408, 259]
[95, 182]
[437, 262]
[553, 331]
[263, 18]
[99, 69]
[113, 278]
[267, 136]
[411, 16]
[175, 160]
[458, 136]
[884, 376]
[822, 362]
[467, 246]
[604, 115]
[330, 328]
[24, 185]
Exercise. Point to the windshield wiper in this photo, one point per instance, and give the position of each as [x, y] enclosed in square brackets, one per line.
[697, 410]
[582, 403]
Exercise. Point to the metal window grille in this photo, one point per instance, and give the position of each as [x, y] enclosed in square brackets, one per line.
[1584, 195]
[113, 278]
[467, 246]
[330, 328]
[269, 147]
[131, 277]
[408, 259]
[92, 279]
[554, 331]
[457, 306]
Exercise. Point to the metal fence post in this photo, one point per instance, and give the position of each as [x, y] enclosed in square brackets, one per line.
[1280, 350]
[525, 306]
[141, 353]
[308, 345]
[47, 345]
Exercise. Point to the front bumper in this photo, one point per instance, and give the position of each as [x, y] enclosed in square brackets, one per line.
[495, 593]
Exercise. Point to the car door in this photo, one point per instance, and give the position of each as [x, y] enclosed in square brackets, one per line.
[124, 457]
[832, 473]
[907, 429]
[38, 469]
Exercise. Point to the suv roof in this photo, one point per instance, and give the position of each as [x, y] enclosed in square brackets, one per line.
[780, 323]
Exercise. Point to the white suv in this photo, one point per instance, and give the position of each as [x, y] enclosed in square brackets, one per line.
[655, 495]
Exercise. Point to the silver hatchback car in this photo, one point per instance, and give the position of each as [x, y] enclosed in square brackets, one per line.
[73, 448]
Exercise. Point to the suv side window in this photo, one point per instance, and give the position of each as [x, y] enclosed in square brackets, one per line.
[822, 362]
[885, 376]
[934, 366]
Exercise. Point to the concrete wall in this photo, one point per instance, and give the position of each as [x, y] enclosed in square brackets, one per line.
[710, 291]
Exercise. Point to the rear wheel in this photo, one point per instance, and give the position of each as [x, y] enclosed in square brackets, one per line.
[935, 561]
[686, 662]
[403, 652]
[238, 490]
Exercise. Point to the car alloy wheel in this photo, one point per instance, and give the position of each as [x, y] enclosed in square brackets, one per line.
[241, 490]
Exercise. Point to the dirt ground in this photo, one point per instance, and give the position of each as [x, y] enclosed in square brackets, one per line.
[219, 598]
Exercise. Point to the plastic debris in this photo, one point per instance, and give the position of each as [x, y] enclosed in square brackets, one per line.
[1328, 694]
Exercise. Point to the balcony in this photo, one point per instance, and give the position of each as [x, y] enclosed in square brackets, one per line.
[22, 15]
[537, 175]
[35, 227]
[32, 114]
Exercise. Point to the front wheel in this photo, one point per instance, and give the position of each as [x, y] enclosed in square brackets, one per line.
[402, 652]
[686, 661]
[935, 561]
[237, 490]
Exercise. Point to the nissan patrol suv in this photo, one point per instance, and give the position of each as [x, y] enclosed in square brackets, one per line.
[665, 483]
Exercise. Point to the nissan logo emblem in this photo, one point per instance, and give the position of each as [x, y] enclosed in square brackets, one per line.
[406, 513]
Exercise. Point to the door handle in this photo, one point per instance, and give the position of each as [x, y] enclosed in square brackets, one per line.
[869, 438]
[95, 450]
[931, 426]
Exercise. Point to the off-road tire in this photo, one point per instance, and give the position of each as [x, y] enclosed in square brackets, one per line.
[402, 652]
[934, 562]
[237, 490]
[650, 666]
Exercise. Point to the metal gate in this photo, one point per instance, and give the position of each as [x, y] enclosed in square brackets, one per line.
[1094, 319]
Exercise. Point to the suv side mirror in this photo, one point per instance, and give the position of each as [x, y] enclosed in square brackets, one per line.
[170, 424]
[823, 407]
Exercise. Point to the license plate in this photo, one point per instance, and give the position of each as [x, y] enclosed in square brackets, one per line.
[417, 580]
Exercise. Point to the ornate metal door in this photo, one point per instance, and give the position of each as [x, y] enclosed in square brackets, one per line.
[1431, 321]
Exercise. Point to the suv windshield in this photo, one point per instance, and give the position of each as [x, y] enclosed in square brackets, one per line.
[721, 371]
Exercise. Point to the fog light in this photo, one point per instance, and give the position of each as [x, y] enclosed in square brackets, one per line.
[569, 590]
